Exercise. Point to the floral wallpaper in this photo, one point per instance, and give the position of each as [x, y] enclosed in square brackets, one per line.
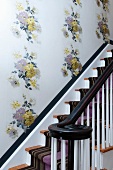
[22, 116]
[72, 63]
[102, 29]
[27, 22]
[25, 69]
[77, 2]
[72, 25]
[72, 29]
[26, 72]
[104, 3]
[102, 20]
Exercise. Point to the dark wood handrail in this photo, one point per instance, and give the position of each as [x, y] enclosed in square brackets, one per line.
[76, 113]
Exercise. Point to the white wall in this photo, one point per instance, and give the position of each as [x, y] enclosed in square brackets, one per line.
[50, 50]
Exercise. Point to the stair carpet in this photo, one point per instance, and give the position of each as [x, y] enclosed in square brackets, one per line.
[41, 155]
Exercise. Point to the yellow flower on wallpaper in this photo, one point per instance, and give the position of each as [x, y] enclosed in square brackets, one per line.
[66, 12]
[31, 73]
[17, 55]
[28, 67]
[77, 36]
[19, 6]
[98, 17]
[30, 20]
[103, 27]
[72, 25]
[23, 116]
[66, 51]
[30, 70]
[105, 4]
[34, 37]
[72, 62]
[75, 73]
[75, 28]
[27, 22]
[34, 55]
[25, 69]
[32, 27]
[33, 83]
[28, 118]
[78, 1]
[15, 105]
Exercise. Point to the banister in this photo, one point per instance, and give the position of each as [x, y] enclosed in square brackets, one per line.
[76, 113]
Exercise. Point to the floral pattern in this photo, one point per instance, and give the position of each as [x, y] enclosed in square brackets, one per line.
[72, 62]
[26, 22]
[77, 2]
[11, 131]
[102, 28]
[105, 4]
[72, 25]
[25, 69]
[23, 117]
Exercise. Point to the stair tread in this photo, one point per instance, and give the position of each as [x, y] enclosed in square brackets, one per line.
[105, 150]
[33, 147]
[43, 131]
[56, 116]
[68, 102]
[100, 169]
[109, 50]
[81, 89]
[19, 167]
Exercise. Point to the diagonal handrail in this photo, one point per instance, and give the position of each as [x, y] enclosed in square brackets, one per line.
[76, 113]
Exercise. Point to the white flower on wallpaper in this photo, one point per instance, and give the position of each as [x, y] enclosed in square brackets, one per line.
[23, 116]
[71, 62]
[72, 25]
[25, 69]
[27, 22]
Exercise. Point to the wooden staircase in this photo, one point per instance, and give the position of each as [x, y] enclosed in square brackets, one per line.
[41, 154]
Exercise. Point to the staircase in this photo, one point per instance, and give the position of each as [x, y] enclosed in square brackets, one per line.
[88, 152]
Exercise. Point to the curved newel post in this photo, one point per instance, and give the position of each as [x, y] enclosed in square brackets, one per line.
[71, 133]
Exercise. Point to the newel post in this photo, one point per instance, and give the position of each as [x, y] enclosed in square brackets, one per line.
[70, 133]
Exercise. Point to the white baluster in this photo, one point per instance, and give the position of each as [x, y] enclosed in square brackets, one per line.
[93, 134]
[76, 155]
[107, 114]
[82, 144]
[98, 132]
[82, 118]
[53, 154]
[63, 155]
[88, 116]
[82, 154]
[79, 161]
[111, 110]
[103, 118]
[85, 155]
